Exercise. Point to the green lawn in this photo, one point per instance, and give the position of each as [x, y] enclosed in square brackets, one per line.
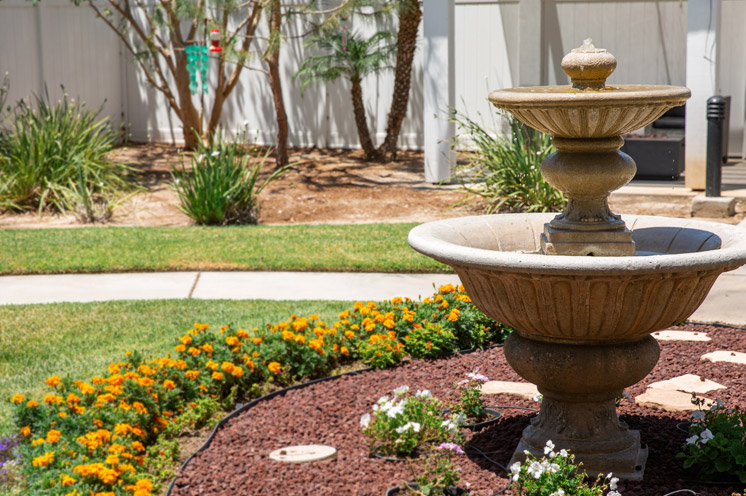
[349, 248]
[79, 340]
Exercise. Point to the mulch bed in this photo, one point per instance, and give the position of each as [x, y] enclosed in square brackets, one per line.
[237, 463]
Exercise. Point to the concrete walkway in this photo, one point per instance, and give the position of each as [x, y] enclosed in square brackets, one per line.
[726, 302]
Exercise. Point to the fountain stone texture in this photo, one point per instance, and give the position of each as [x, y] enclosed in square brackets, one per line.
[583, 323]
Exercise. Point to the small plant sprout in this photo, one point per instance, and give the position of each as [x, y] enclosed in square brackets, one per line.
[471, 404]
[556, 474]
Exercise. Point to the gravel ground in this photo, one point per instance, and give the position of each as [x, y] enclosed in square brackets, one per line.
[236, 463]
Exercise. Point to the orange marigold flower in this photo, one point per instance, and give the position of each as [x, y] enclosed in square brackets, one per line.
[44, 460]
[137, 445]
[66, 480]
[186, 339]
[180, 348]
[73, 399]
[227, 367]
[388, 324]
[112, 460]
[288, 335]
[344, 351]
[242, 333]
[454, 315]
[300, 339]
[349, 334]
[140, 408]
[237, 372]
[192, 374]
[211, 365]
[218, 376]
[193, 351]
[231, 340]
[32, 403]
[203, 388]
[25, 431]
[145, 381]
[169, 384]
[53, 381]
[274, 367]
[53, 399]
[62, 414]
[18, 398]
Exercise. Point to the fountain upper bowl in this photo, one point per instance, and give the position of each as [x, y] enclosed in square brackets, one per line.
[584, 300]
[565, 112]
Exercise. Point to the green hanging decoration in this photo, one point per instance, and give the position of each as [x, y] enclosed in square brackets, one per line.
[197, 62]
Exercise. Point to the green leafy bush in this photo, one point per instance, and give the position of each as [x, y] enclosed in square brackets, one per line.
[471, 404]
[556, 474]
[405, 422]
[507, 169]
[54, 157]
[222, 187]
[716, 446]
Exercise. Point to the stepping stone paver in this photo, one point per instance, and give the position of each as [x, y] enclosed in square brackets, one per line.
[725, 356]
[303, 454]
[523, 389]
[680, 336]
[672, 401]
[688, 383]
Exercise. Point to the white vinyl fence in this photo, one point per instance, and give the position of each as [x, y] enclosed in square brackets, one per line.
[56, 43]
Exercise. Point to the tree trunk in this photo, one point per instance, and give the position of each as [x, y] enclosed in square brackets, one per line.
[361, 121]
[410, 15]
[273, 61]
[190, 118]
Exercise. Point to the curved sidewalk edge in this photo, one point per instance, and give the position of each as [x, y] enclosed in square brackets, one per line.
[726, 302]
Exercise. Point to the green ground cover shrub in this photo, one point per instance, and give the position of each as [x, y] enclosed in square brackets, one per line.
[54, 157]
[222, 187]
[506, 169]
[94, 434]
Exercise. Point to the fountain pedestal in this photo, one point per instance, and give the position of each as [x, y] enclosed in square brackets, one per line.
[580, 386]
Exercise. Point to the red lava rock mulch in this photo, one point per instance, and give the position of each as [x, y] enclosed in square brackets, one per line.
[237, 463]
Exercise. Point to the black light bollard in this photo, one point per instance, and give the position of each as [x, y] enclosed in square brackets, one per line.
[715, 121]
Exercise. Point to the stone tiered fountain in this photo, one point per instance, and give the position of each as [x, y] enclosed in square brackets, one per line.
[582, 322]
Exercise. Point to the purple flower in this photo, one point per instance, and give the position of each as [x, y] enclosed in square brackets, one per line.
[451, 447]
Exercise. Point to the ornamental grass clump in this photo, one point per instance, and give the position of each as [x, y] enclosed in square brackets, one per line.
[716, 446]
[556, 474]
[407, 422]
[222, 187]
[54, 157]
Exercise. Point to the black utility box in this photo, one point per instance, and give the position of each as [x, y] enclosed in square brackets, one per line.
[656, 156]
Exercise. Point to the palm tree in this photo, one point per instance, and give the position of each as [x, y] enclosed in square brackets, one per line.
[350, 56]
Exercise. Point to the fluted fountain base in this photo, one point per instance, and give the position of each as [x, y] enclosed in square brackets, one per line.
[580, 385]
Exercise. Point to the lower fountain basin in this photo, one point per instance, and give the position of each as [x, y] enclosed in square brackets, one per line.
[584, 300]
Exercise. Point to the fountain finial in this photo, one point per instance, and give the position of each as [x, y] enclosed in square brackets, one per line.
[588, 66]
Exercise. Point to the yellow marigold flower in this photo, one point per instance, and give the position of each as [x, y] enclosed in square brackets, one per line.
[80, 410]
[140, 408]
[32, 403]
[105, 398]
[53, 381]
[388, 324]
[193, 351]
[335, 347]
[355, 327]
[25, 431]
[257, 341]
[358, 305]
[107, 476]
[288, 335]
[179, 364]
[66, 480]
[123, 405]
[112, 460]
[344, 351]
[85, 388]
[344, 315]
[98, 423]
[211, 365]
[365, 311]
[300, 324]
[73, 399]
[169, 384]
[97, 380]
[231, 340]
[115, 390]
[237, 372]
[349, 334]
[454, 315]
[274, 367]
[192, 374]
[319, 331]
[227, 367]
[186, 339]
[218, 376]
[461, 288]
[53, 436]
[115, 368]
[145, 382]
[62, 414]
[444, 304]
[242, 333]
[44, 460]
[427, 300]
[203, 388]
[201, 327]
[207, 348]
[18, 398]
[180, 348]
[397, 300]
[300, 339]
[53, 399]
[137, 445]
[37, 442]
[374, 338]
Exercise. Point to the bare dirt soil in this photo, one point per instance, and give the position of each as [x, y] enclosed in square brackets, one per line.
[323, 186]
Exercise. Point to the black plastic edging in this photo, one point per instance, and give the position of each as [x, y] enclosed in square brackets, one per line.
[280, 392]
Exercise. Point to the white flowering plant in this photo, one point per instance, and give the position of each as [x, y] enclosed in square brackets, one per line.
[405, 421]
[556, 474]
[715, 447]
[440, 472]
[471, 404]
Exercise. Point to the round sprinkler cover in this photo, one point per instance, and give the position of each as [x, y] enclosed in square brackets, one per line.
[304, 454]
